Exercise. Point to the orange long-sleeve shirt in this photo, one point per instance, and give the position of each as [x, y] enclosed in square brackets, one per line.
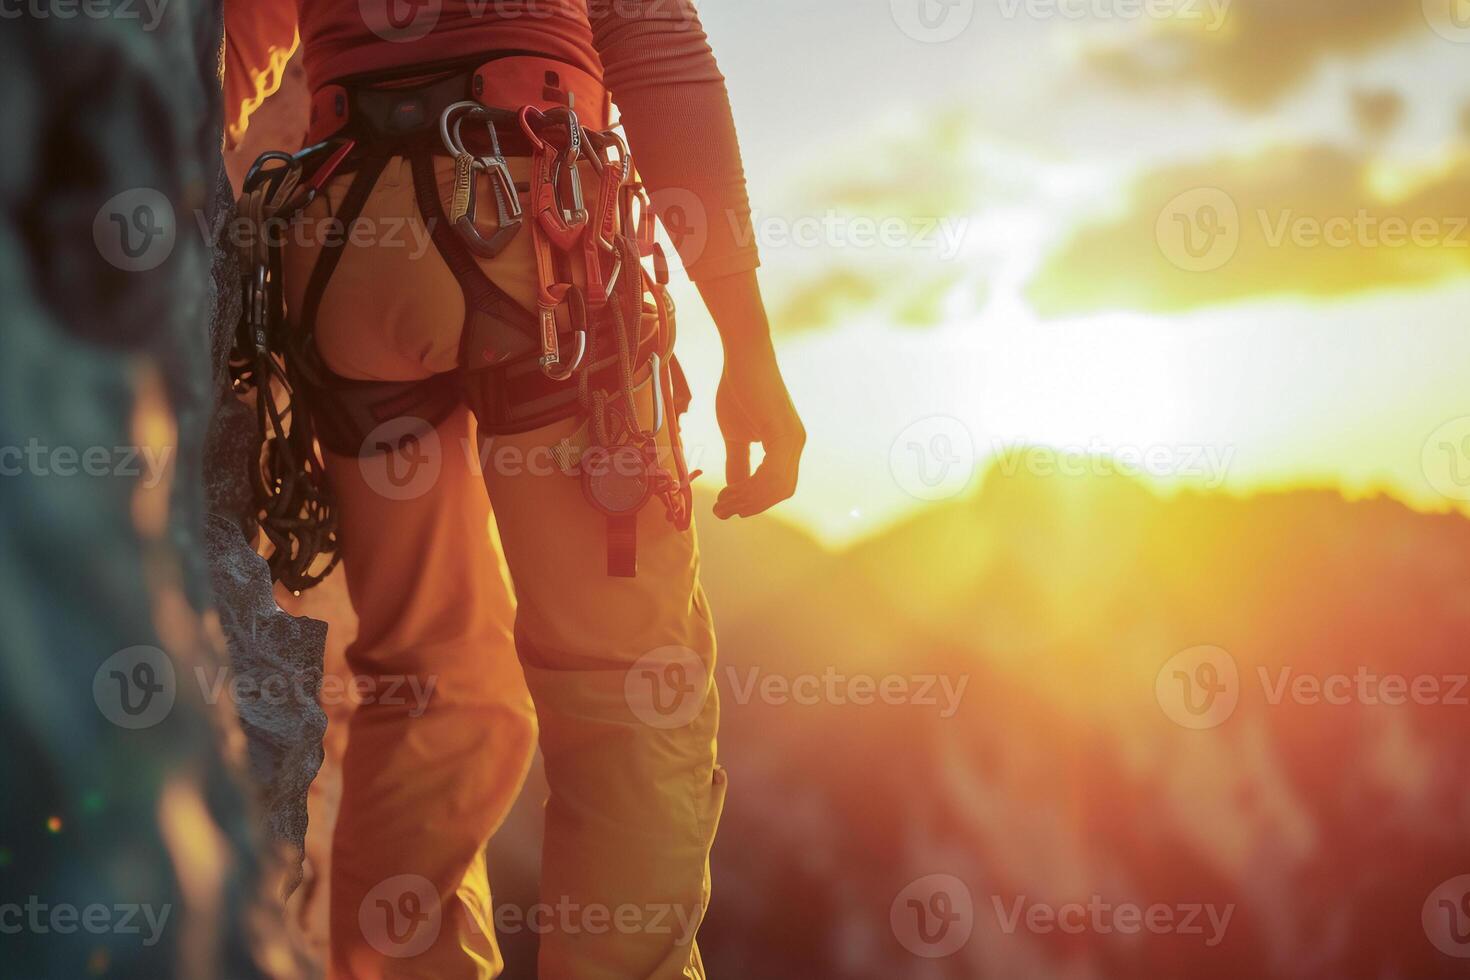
[652, 55]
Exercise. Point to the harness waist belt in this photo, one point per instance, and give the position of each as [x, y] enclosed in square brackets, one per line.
[383, 107]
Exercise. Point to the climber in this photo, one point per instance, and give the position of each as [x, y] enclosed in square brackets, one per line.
[533, 329]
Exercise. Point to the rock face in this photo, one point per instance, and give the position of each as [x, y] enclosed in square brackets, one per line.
[124, 764]
[275, 659]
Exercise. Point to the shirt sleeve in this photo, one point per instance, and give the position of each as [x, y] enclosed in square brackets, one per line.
[675, 109]
[260, 37]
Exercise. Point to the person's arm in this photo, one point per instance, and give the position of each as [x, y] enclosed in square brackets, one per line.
[676, 112]
[260, 37]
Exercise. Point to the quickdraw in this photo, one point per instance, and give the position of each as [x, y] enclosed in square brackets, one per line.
[620, 466]
[555, 227]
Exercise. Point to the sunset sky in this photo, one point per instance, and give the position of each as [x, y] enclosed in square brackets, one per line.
[1070, 143]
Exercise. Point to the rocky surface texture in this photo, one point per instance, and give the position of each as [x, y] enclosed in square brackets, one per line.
[275, 658]
[124, 762]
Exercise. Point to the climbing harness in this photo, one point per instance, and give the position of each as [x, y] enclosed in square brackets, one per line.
[599, 341]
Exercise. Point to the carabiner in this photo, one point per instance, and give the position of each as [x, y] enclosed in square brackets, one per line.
[551, 298]
[548, 162]
[507, 204]
[253, 175]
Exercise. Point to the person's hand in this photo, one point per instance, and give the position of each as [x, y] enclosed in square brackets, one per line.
[753, 406]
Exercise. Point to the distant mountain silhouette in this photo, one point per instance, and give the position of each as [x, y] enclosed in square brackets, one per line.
[1062, 776]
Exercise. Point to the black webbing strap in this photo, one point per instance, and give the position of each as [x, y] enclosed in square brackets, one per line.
[368, 171]
[480, 293]
[346, 410]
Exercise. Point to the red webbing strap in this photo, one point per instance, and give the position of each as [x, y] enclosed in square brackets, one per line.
[622, 546]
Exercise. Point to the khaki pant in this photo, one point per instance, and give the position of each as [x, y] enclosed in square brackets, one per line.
[619, 670]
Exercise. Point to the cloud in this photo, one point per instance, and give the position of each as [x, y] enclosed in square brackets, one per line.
[1377, 112]
[909, 297]
[1264, 47]
[1313, 221]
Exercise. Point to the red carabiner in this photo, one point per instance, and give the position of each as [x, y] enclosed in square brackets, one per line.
[599, 237]
[552, 297]
[563, 226]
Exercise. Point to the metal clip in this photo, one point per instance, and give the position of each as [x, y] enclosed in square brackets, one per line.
[507, 204]
[552, 297]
